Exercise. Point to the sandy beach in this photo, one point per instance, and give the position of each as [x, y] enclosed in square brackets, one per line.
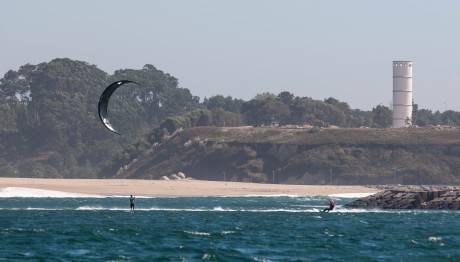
[176, 188]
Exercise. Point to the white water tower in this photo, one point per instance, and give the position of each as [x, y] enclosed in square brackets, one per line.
[402, 93]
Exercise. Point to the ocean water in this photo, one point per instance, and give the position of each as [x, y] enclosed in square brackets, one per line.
[45, 225]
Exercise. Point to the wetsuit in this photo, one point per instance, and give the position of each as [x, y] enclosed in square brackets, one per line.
[131, 200]
[331, 206]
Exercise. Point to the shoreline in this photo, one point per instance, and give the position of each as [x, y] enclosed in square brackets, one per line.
[177, 188]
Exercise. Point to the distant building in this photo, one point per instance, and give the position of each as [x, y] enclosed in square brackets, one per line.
[402, 93]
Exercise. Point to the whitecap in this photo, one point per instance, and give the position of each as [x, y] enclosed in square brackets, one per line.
[40, 193]
[91, 208]
[198, 233]
[125, 196]
[351, 195]
[78, 252]
[434, 239]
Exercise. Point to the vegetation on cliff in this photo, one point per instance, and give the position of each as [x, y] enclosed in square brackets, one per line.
[300, 156]
[49, 128]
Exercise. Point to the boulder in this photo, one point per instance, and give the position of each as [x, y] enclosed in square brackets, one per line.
[181, 175]
[411, 197]
[174, 177]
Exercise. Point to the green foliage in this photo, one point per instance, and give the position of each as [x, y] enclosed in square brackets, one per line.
[251, 111]
[31, 168]
[382, 116]
[7, 117]
[290, 110]
[226, 103]
[52, 107]
[158, 135]
[7, 170]
[199, 117]
[49, 125]
[264, 96]
[314, 129]
[223, 118]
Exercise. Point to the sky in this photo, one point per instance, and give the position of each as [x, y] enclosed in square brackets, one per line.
[241, 48]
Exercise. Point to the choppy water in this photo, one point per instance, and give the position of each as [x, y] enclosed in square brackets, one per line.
[278, 228]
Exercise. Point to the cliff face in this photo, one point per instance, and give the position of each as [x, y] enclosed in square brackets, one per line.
[305, 156]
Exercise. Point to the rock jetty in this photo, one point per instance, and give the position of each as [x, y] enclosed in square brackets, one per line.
[411, 197]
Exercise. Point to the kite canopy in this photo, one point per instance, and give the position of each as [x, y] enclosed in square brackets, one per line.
[104, 103]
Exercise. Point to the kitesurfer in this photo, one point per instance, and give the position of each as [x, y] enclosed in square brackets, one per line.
[131, 201]
[331, 205]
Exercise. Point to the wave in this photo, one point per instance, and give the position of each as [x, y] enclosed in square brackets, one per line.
[351, 195]
[23, 192]
[311, 209]
[40, 193]
[197, 233]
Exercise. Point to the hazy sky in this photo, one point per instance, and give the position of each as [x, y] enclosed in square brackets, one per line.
[319, 49]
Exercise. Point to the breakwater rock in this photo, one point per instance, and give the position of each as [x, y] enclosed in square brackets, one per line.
[411, 197]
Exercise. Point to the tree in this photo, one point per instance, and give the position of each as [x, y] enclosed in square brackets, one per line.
[359, 118]
[264, 96]
[251, 111]
[52, 106]
[286, 98]
[274, 110]
[302, 111]
[226, 103]
[224, 118]
[450, 117]
[158, 97]
[382, 116]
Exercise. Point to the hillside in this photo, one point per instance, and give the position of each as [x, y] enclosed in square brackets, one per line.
[50, 129]
[305, 156]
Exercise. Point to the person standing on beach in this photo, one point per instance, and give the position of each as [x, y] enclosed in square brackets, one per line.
[331, 205]
[131, 201]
